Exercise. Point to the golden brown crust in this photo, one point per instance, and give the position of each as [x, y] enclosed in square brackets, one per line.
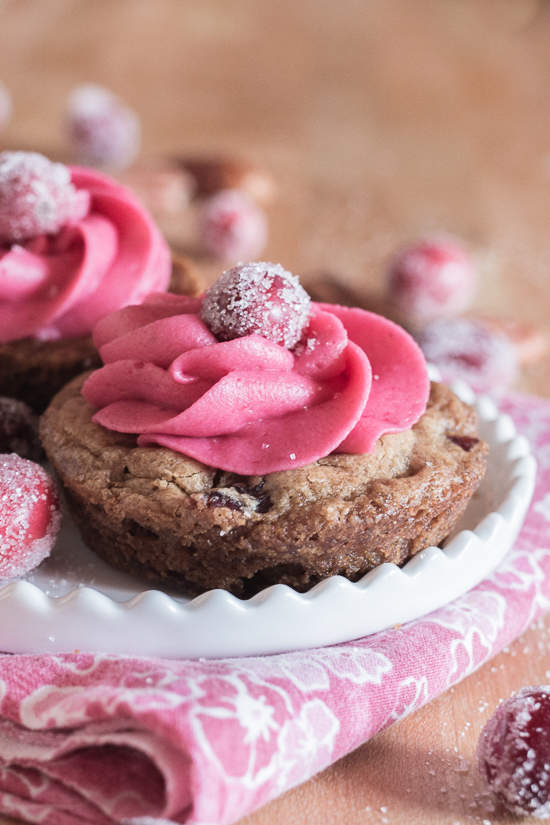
[160, 514]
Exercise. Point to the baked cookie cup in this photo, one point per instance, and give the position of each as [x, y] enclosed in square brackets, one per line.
[158, 514]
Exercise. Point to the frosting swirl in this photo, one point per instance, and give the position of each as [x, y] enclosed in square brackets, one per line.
[249, 405]
[59, 286]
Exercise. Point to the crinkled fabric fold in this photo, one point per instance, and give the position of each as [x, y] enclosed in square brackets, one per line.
[103, 739]
[249, 405]
[59, 286]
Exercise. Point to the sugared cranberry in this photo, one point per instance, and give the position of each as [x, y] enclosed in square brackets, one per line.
[433, 278]
[19, 430]
[257, 298]
[232, 226]
[36, 197]
[468, 349]
[514, 752]
[29, 515]
[101, 129]
[5, 106]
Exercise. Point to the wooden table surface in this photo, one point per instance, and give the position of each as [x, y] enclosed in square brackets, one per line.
[380, 120]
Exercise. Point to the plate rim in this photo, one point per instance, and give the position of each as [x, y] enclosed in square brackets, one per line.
[229, 626]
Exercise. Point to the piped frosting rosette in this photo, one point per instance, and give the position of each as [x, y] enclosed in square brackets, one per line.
[59, 285]
[249, 405]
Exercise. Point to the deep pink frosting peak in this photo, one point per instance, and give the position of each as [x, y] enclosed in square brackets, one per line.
[249, 405]
[59, 286]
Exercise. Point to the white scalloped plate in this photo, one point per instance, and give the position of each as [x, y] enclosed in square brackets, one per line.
[74, 601]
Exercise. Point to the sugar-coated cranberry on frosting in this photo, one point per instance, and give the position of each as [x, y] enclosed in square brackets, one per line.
[251, 404]
[259, 298]
[74, 246]
[36, 197]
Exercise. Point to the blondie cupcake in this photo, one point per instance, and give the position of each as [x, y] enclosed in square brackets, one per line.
[75, 246]
[253, 437]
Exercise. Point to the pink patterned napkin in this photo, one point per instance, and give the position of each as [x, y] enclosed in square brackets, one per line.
[103, 739]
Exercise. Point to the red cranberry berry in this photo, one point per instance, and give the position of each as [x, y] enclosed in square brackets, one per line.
[36, 197]
[101, 129]
[232, 227]
[468, 349]
[431, 279]
[29, 515]
[5, 106]
[257, 298]
[514, 752]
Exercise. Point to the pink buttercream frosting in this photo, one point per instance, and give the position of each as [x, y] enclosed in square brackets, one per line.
[250, 405]
[60, 285]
